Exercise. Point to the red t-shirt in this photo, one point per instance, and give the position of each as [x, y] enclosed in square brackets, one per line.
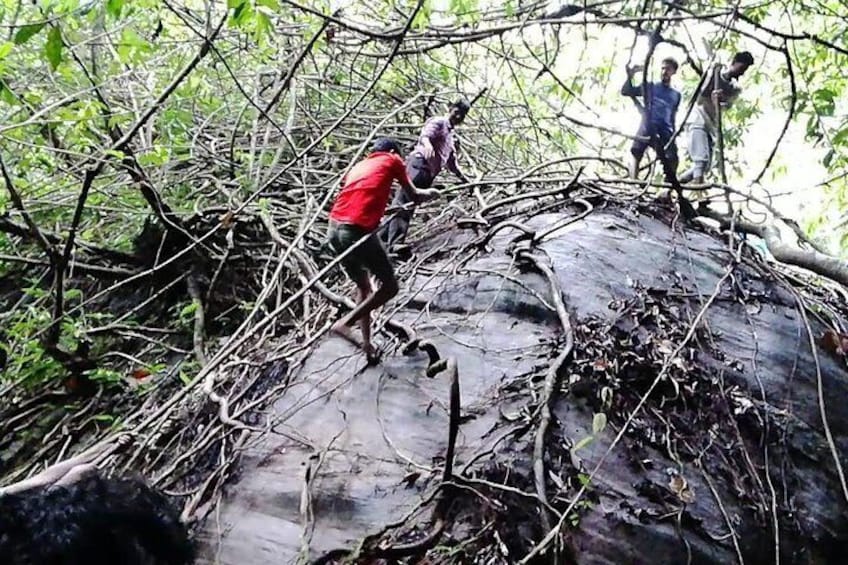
[365, 191]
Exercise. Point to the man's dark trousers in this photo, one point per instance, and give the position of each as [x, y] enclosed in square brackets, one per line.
[395, 230]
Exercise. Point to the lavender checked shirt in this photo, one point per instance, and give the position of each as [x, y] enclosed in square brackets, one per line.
[440, 132]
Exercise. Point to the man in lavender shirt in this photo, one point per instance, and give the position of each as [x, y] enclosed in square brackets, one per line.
[435, 150]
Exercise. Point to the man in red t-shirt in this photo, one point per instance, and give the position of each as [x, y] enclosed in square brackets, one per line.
[354, 218]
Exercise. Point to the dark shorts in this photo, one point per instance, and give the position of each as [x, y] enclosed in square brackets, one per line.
[658, 143]
[369, 257]
[416, 168]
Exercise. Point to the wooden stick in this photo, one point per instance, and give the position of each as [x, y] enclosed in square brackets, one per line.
[717, 86]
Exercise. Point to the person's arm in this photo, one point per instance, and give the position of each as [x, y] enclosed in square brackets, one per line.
[674, 112]
[419, 194]
[729, 95]
[627, 89]
[414, 194]
[427, 146]
[725, 92]
[453, 167]
[433, 129]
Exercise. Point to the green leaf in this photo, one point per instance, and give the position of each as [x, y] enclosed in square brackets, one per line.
[574, 519]
[422, 19]
[242, 14]
[236, 3]
[27, 31]
[263, 25]
[5, 49]
[131, 46]
[114, 7]
[157, 156]
[841, 137]
[106, 376]
[812, 127]
[6, 94]
[272, 4]
[583, 443]
[53, 47]
[825, 101]
[599, 422]
[73, 294]
[188, 310]
[458, 6]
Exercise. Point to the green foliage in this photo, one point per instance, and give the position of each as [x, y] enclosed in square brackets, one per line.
[422, 18]
[53, 47]
[465, 11]
[106, 377]
[28, 31]
[27, 359]
[23, 329]
[132, 48]
[187, 312]
[187, 371]
[580, 506]
[114, 7]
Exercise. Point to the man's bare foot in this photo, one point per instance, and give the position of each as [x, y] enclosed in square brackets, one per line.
[664, 197]
[372, 356]
[371, 353]
[345, 332]
[687, 210]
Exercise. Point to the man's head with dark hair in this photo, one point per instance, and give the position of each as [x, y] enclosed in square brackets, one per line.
[457, 112]
[387, 145]
[741, 62]
[669, 67]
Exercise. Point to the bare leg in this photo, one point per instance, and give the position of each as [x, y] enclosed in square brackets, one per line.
[694, 177]
[669, 164]
[343, 329]
[373, 258]
[365, 290]
[634, 166]
[364, 308]
[362, 313]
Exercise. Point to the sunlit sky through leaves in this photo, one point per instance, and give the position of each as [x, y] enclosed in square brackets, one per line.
[595, 57]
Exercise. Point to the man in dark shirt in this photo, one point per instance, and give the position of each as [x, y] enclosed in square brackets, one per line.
[658, 119]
